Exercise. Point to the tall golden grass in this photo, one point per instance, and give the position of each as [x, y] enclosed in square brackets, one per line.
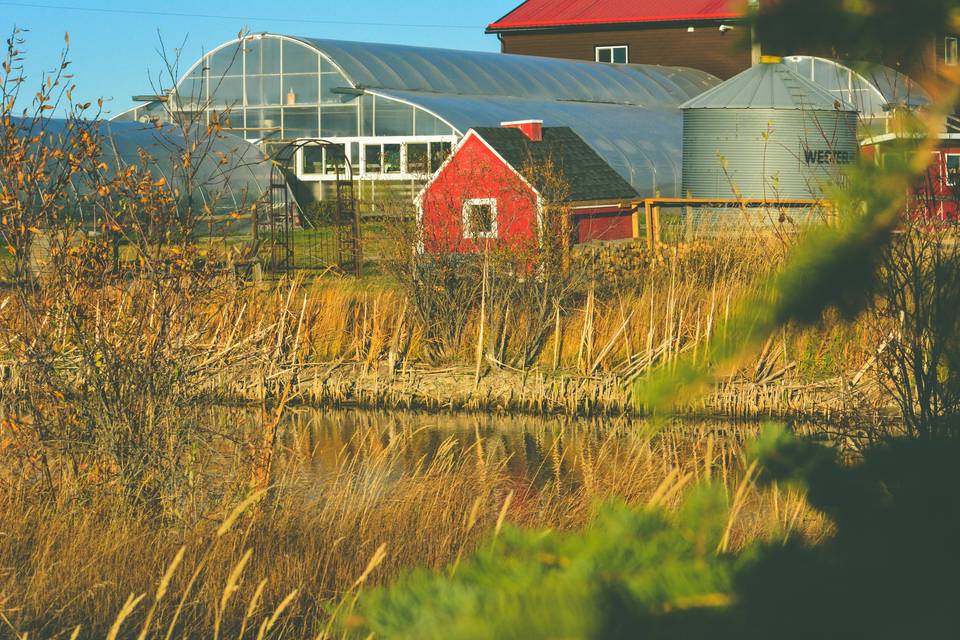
[642, 313]
[357, 499]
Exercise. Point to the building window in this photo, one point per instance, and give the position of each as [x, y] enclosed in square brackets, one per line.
[439, 152]
[334, 160]
[325, 160]
[951, 55]
[617, 54]
[313, 159]
[373, 155]
[391, 158]
[480, 218]
[418, 158]
[953, 170]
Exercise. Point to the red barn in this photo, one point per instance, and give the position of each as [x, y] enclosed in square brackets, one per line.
[937, 195]
[493, 189]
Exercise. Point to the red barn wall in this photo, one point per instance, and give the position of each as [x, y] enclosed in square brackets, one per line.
[475, 172]
[933, 198]
[603, 223]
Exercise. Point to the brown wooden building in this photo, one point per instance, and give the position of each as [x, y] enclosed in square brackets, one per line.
[703, 34]
[710, 35]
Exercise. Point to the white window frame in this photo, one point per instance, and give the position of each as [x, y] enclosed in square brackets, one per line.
[611, 48]
[468, 233]
[951, 51]
[361, 160]
[946, 169]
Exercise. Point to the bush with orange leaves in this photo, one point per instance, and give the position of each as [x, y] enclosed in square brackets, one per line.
[109, 308]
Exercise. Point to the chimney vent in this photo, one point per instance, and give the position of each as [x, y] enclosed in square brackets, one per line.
[533, 129]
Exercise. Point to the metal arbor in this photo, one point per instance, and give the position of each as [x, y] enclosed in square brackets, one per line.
[326, 237]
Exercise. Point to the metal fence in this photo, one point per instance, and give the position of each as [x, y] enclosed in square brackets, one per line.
[681, 220]
[328, 236]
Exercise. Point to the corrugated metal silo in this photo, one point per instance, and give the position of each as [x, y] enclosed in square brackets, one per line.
[766, 134]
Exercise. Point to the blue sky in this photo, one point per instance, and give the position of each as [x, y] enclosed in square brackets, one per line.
[114, 53]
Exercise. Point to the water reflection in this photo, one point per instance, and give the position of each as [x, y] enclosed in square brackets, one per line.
[538, 450]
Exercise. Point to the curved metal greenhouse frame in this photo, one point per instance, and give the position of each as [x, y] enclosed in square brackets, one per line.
[278, 87]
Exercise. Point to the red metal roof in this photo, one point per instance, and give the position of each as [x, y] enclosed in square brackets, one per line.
[534, 14]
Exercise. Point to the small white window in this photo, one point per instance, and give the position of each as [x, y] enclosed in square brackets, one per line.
[480, 218]
[614, 54]
[953, 170]
[951, 54]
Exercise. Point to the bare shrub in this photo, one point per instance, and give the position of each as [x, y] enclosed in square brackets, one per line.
[110, 300]
[918, 300]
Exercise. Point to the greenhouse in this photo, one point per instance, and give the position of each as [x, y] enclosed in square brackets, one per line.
[875, 90]
[396, 111]
[227, 173]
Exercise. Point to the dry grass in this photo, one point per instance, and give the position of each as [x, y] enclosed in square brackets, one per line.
[354, 503]
[644, 310]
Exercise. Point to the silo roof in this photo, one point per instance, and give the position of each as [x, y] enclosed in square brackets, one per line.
[768, 85]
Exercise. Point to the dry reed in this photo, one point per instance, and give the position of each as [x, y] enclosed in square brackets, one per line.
[356, 500]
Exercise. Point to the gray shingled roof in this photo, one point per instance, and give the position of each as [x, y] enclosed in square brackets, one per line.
[768, 86]
[588, 176]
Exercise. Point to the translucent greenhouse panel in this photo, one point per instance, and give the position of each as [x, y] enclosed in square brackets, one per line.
[366, 128]
[330, 86]
[299, 59]
[339, 122]
[263, 56]
[264, 91]
[299, 122]
[228, 61]
[392, 118]
[229, 118]
[150, 112]
[330, 79]
[192, 90]
[226, 91]
[301, 89]
[127, 116]
[427, 124]
[263, 123]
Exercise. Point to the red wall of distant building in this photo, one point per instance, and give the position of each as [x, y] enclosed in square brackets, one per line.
[934, 198]
[603, 223]
[474, 172]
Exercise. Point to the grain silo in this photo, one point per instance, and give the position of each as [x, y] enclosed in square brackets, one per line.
[766, 134]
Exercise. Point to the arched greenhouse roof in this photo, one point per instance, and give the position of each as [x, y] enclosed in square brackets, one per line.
[454, 72]
[642, 145]
[227, 172]
[872, 88]
[628, 113]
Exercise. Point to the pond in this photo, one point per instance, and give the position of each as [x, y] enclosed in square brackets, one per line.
[537, 450]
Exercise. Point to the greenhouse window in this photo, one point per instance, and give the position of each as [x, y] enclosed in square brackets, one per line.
[391, 158]
[313, 159]
[373, 154]
[418, 155]
[439, 152]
